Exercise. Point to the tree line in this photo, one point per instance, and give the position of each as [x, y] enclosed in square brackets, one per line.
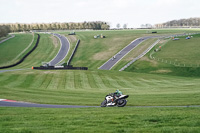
[4, 30]
[18, 27]
[191, 22]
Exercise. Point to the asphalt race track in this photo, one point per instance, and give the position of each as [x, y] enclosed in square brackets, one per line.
[116, 58]
[24, 104]
[10, 103]
[63, 50]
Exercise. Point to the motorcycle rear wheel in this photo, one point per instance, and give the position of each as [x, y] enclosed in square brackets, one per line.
[122, 103]
[103, 104]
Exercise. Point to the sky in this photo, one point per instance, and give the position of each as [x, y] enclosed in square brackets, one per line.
[130, 12]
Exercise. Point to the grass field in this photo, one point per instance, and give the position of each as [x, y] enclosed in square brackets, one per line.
[147, 82]
[179, 51]
[89, 120]
[10, 49]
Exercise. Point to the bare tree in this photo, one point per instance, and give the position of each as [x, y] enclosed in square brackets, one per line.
[118, 26]
[125, 26]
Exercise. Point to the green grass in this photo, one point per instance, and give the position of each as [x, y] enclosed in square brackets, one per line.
[181, 51]
[89, 120]
[13, 47]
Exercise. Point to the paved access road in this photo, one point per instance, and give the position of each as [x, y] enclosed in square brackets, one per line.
[63, 50]
[116, 58]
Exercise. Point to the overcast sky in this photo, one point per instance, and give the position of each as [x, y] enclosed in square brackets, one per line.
[132, 12]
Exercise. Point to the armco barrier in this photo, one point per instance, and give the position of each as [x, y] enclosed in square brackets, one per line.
[20, 61]
[68, 63]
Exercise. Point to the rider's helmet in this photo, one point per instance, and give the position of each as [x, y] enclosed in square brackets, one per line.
[118, 92]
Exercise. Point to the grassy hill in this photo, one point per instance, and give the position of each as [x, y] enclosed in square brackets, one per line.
[180, 57]
[10, 49]
[147, 81]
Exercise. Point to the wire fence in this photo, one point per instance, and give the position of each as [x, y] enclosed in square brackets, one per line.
[174, 63]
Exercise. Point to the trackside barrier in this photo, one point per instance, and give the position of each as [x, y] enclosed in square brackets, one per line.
[60, 68]
[20, 61]
[70, 59]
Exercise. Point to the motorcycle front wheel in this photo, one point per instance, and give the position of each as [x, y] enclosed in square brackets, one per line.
[122, 103]
[103, 104]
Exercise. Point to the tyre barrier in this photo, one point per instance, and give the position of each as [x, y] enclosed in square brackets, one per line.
[70, 67]
[20, 61]
[70, 59]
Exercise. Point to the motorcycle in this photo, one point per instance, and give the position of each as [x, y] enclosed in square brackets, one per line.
[119, 101]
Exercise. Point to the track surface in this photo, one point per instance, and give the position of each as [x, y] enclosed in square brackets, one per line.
[116, 58]
[10, 103]
[63, 50]
[23, 104]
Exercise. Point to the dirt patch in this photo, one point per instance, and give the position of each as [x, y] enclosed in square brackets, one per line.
[55, 41]
[72, 38]
[161, 71]
[102, 55]
[29, 73]
[48, 72]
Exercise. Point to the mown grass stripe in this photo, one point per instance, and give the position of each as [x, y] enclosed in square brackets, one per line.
[84, 79]
[27, 82]
[20, 80]
[62, 80]
[70, 80]
[47, 81]
[106, 81]
[98, 80]
[9, 80]
[124, 82]
[91, 80]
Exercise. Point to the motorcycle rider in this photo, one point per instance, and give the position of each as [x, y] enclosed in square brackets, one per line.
[116, 94]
